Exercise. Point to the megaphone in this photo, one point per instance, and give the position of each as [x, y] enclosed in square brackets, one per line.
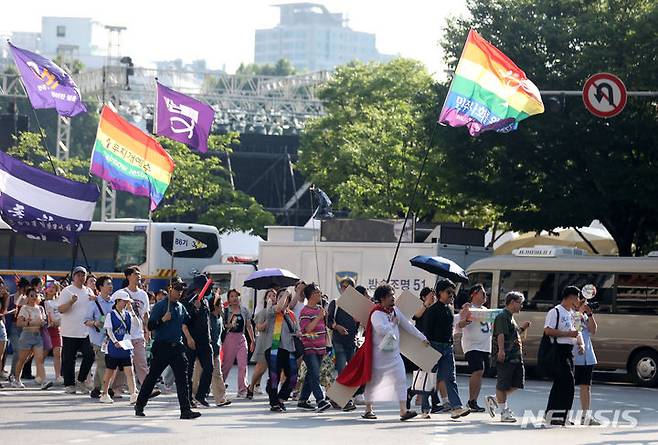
[588, 291]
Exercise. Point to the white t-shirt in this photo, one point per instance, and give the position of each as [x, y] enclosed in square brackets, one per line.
[72, 321]
[298, 309]
[566, 323]
[476, 336]
[52, 309]
[141, 307]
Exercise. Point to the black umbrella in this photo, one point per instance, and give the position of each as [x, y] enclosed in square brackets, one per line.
[440, 266]
[269, 278]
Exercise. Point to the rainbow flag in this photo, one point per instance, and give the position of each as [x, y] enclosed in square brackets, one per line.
[129, 159]
[488, 91]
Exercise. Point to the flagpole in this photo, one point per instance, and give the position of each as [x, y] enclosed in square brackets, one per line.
[155, 109]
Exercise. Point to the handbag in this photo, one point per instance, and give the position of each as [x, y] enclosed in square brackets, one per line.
[423, 382]
[548, 354]
[299, 345]
[45, 335]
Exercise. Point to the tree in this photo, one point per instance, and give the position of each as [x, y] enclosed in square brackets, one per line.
[366, 152]
[566, 168]
[200, 191]
[281, 68]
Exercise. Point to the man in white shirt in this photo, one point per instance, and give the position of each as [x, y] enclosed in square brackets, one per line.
[476, 343]
[141, 307]
[560, 325]
[72, 304]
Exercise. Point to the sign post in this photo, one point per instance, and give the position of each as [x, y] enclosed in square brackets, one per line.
[604, 95]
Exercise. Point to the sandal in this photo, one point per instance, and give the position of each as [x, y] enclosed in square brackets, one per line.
[408, 415]
[369, 415]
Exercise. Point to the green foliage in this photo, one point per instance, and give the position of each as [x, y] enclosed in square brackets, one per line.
[282, 68]
[566, 168]
[200, 191]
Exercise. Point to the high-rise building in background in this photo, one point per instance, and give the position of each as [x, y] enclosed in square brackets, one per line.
[312, 38]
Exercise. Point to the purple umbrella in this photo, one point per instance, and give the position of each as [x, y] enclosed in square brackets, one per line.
[269, 278]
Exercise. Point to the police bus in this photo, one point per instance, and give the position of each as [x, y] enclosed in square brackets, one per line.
[110, 247]
[626, 304]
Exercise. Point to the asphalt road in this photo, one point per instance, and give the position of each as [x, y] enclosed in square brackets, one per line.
[31, 416]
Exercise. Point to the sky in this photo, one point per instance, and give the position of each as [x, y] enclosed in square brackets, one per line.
[222, 32]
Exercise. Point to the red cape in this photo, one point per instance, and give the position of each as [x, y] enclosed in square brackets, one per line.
[359, 370]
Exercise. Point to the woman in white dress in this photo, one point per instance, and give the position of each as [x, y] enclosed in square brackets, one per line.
[388, 381]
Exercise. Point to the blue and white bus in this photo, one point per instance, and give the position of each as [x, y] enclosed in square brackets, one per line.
[110, 247]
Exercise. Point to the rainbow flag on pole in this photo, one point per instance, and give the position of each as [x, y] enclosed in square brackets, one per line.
[129, 159]
[488, 91]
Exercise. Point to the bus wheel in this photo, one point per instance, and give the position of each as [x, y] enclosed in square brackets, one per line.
[644, 368]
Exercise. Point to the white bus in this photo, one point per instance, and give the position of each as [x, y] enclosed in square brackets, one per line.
[110, 247]
[627, 298]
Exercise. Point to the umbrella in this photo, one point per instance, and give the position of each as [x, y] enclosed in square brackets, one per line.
[268, 278]
[599, 238]
[440, 266]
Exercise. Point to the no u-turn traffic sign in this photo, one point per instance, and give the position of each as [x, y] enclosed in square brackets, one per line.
[604, 95]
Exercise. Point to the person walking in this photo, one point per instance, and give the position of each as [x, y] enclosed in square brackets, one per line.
[262, 343]
[560, 324]
[237, 320]
[4, 302]
[281, 329]
[95, 321]
[120, 322]
[216, 327]
[14, 304]
[31, 318]
[72, 305]
[51, 293]
[584, 361]
[508, 351]
[142, 307]
[314, 337]
[476, 343]
[378, 364]
[438, 325]
[167, 320]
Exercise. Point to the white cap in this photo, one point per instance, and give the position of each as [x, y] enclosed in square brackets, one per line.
[121, 295]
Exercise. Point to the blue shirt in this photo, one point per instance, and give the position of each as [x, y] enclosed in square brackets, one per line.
[96, 337]
[170, 331]
[588, 358]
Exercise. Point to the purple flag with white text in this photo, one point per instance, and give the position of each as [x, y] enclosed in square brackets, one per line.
[43, 206]
[182, 118]
[47, 85]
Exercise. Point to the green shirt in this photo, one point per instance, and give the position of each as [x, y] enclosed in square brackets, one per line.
[506, 325]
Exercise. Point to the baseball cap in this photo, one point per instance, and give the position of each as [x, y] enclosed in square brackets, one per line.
[178, 283]
[79, 269]
[121, 295]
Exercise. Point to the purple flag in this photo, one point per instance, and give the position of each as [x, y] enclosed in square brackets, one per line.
[183, 119]
[43, 206]
[47, 85]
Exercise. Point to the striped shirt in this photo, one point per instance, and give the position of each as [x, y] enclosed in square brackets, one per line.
[315, 342]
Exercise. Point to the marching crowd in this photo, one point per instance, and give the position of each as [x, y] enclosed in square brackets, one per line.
[149, 343]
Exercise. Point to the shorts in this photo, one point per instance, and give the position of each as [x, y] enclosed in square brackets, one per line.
[29, 340]
[55, 337]
[510, 375]
[583, 374]
[117, 363]
[478, 361]
[259, 357]
[3, 331]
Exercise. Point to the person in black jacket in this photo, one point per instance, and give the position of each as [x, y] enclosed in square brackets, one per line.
[200, 348]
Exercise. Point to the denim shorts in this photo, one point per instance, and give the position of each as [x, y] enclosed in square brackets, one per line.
[28, 340]
[3, 331]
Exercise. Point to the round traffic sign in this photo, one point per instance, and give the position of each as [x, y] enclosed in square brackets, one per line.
[604, 95]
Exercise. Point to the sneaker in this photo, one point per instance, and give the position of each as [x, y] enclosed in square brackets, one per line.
[456, 413]
[305, 404]
[3, 375]
[589, 421]
[225, 402]
[507, 416]
[473, 405]
[436, 409]
[334, 405]
[276, 409]
[38, 380]
[491, 405]
[69, 390]
[17, 384]
[133, 398]
[242, 395]
[359, 400]
[59, 381]
[250, 394]
[408, 415]
[446, 408]
[139, 411]
[81, 388]
[105, 398]
[202, 402]
[155, 393]
[190, 415]
[350, 406]
[258, 390]
[282, 405]
[323, 405]
[95, 393]
[425, 416]
[46, 385]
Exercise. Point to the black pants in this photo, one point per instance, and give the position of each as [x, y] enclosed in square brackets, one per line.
[284, 361]
[560, 398]
[70, 348]
[203, 353]
[166, 354]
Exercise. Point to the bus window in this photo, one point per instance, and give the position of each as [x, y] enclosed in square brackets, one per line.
[538, 288]
[32, 254]
[131, 250]
[637, 294]
[485, 278]
[208, 238]
[604, 283]
[99, 249]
